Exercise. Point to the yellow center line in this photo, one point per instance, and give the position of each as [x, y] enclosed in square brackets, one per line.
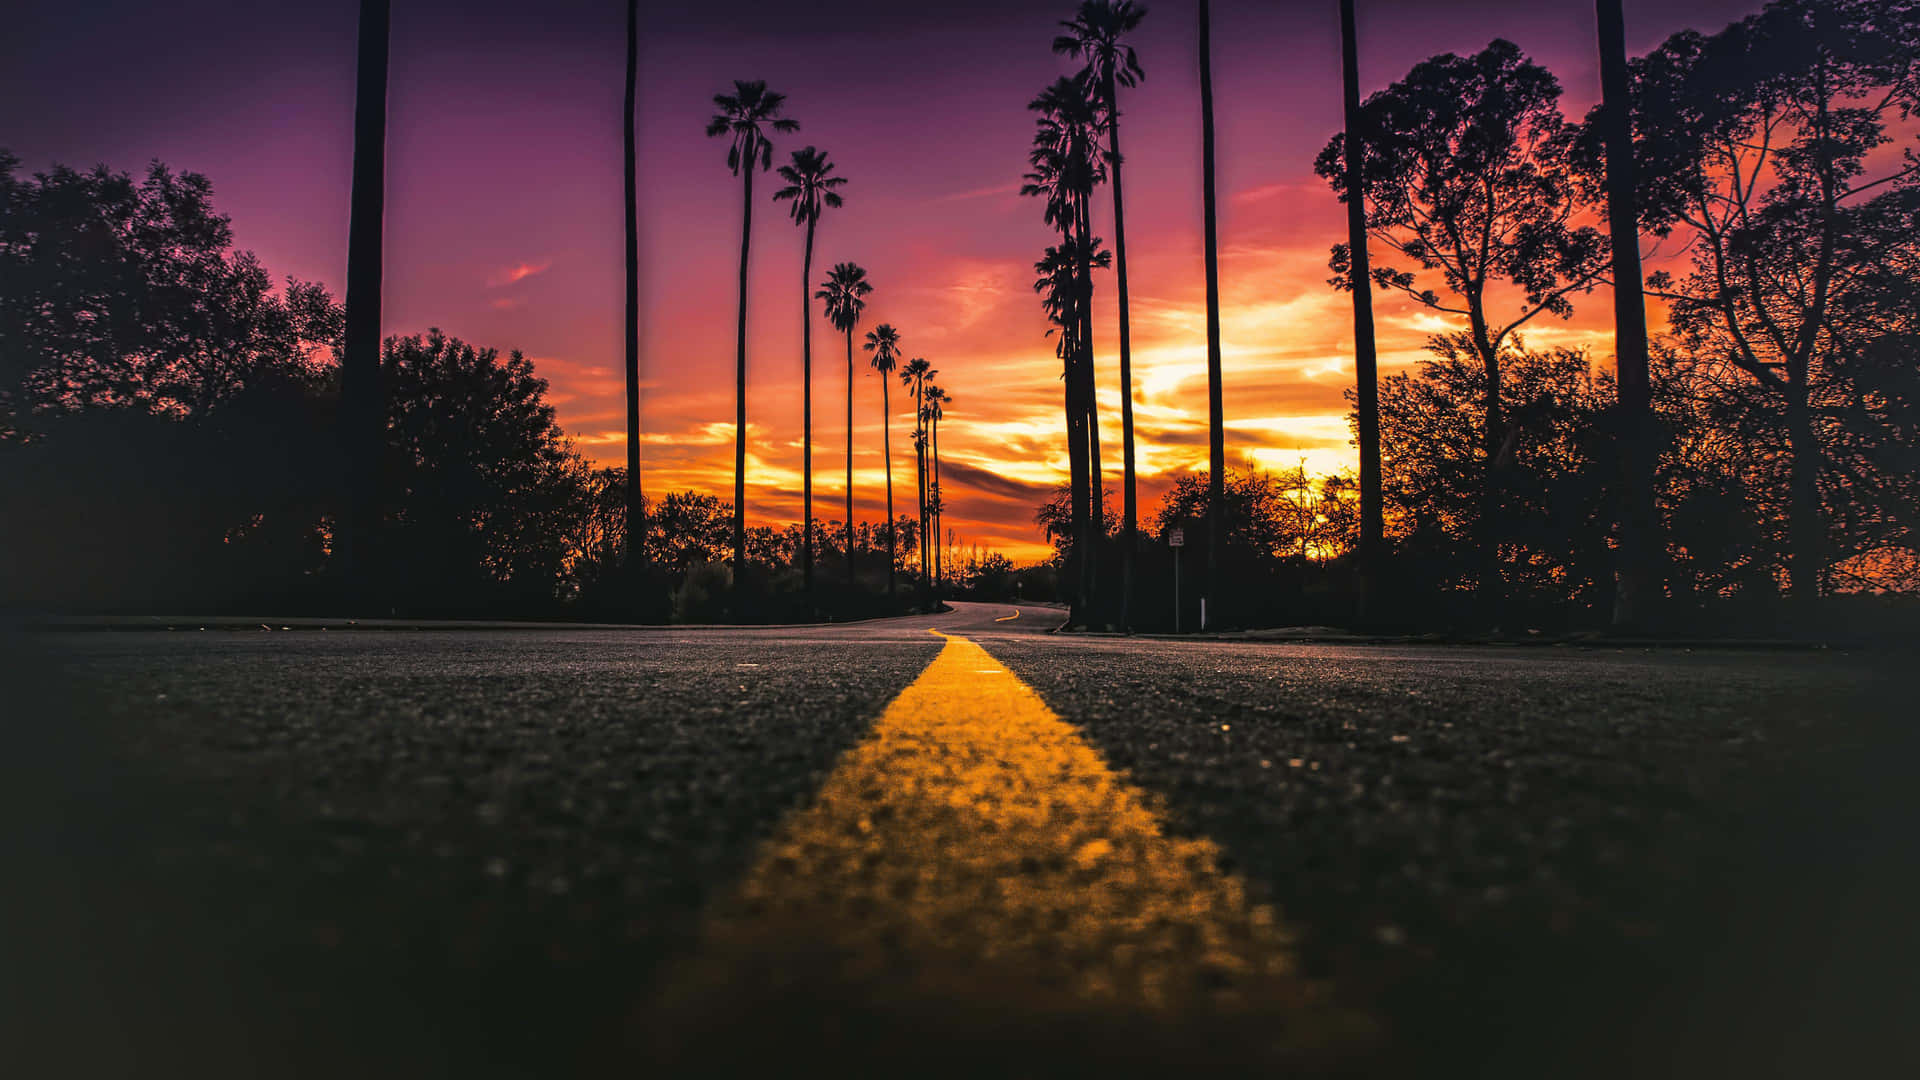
[975, 852]
[1009, 618]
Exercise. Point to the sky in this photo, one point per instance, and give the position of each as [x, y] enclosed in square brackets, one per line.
[503, 220]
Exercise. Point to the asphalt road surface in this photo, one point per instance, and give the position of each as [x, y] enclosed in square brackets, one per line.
[950, 845]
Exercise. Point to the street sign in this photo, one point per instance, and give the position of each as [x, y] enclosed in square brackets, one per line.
[1177, 538]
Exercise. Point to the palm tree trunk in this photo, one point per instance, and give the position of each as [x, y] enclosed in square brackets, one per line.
[1074, 576]
[1638, 588]
[920, 479]
[636, 506]
[849, 457]
[362, 396]
[1128, 506]
[1216, 423]
[886, 443]
[1366, 361]
[740, 389]
[1089, 401]
[806, 410]
[939, 511]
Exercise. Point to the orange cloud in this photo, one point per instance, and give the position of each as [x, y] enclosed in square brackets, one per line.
[517, 273]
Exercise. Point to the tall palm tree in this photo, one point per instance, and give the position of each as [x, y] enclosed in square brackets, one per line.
[845, 292]
[1095, 34]
[810, 189]
[361, 393]
[883, 342]
[1216, 425]
[1066, 167]
[745, 117]
[935, 408]
[914, 375]
[636, 506]
[1639, 580]
[1365, 356]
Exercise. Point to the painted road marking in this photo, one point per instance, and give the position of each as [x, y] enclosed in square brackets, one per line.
[1009, 618]
[974, 852]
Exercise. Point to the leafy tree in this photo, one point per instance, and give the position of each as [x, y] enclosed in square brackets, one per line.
[1761, 143]
[1466, 173]
[746, 118]
[845, 292]
[1094, 33]
[810, 187]
[484, 491]
[1553, 539]
[123, 294]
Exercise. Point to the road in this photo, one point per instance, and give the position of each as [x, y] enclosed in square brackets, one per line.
[950, 845]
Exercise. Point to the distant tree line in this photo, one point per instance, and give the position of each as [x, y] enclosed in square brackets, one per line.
[170, 440]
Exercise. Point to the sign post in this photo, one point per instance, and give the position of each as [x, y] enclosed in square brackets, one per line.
[1176, 539]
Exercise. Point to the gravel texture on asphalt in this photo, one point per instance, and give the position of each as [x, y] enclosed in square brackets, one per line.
[1549, 862]
[426, 853]
[406, 854]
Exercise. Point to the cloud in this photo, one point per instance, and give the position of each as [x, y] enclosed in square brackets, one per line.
[518, 272]
[977, 193]
[975, 479]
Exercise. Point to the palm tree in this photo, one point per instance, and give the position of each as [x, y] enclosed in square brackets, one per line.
[1216, 425]
[360, 365]
[810, 188]
[935, 408]
[914, 375]
[1365, 356]
[883, 342]
[1639, 585]
[1095, 34]
[1066, 166]
[845, 292]
[744, 117]
[636, 507]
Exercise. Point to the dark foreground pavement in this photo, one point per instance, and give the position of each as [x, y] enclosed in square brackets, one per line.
[320, 853]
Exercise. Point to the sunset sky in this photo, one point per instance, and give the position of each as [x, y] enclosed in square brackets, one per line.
[504, 226]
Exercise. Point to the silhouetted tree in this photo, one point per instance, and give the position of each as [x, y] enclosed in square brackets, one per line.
[1066, 166]
[745, 118]
[1094, 33]
[1366, 373]
[123, 295]
[883, 342]
[361, 392]
[845, 292]
[636, 519]
[810, 188]
[1639, 585]
[1216, 417]
[934, 410]
[1759, 142]
[482, 482]
[1466, 173]
[914, 376]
